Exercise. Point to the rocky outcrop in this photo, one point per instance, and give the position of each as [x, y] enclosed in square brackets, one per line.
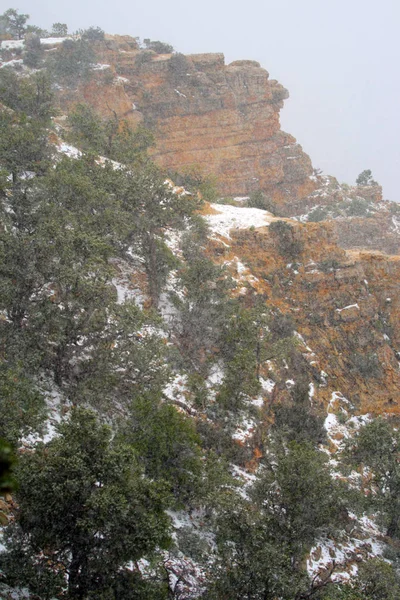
[345, 306]
[220, 119]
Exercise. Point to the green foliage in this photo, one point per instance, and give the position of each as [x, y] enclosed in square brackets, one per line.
[93, 34]
[202, 309]
[13, 23]
[152, 208]
[319, 214]
[72, 61]
[241, 350]
[22, 407]
[377, 446]
[168, 446]
[365, 178]
[23, 148]
[195, 181]
[328, 265]
[7, 460]
[34, 52]
[358, 207]
[304, 499]
[179, 66]
[85, 509]
[262, 540]
[59, 30]
[288, 245]
[376, 580]
[295, 420]
[158, 47]
[110, 137]
[29, 95]
[252, 336]
[368, 365]
[259, 199]
[251, 561]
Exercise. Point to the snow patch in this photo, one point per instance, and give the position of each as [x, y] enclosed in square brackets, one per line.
[236, 217]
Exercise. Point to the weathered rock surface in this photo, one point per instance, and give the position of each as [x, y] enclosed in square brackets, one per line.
[221, 119]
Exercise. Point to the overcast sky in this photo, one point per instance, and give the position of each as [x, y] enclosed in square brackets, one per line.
[338, 58]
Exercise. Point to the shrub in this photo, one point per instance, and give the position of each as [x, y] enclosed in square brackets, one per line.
[320, 213]
[367, 365]
[72, 61]
[34, 51]
[288, 246]
[259, 200]
[358, 208]
[93, 34]
[158, 47]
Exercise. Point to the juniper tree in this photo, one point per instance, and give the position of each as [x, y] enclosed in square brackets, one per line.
[99, 513]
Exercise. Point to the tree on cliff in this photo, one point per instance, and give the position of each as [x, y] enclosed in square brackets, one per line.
[377, 445]
[13, 23]
[85, 511]
[365, 178]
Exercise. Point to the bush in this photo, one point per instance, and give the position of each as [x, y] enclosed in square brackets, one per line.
[158, 47]
[367, 365]
[179, 64]
[143, 58]
[93, 34]
[320, 213]
[34, 51]
[72, 61]
[259, 200]
[358, 208]
[288, 246]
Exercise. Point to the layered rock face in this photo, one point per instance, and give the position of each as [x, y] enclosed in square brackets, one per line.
[223, 120]
[220, 119]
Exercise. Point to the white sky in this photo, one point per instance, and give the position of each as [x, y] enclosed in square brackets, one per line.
[338, 58]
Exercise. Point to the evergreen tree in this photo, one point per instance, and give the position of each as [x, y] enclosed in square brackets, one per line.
[377, 446]
[59, 29]
[201, 302]
[14, 23]
[168, 446]
[85, 511]
[365, 178]
[152, 208]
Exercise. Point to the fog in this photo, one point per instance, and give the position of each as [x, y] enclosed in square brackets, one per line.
[337, 58]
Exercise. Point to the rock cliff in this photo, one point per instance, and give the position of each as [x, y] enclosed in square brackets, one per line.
[222, 119]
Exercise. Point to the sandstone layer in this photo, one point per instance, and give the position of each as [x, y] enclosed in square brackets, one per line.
[220, 119]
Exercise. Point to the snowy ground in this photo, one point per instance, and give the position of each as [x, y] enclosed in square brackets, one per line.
[236, 217]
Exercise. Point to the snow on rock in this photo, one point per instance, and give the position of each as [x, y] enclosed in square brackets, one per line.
[53, 41]
[12, 63]
[100, 67]
[176, 390]
[126, 291]
[215, 379]
[56, 405]
[245, 430]
[267, 385]
[230, 217]
[12, 44]
[347, 551]
[347, 307]
[69, 150]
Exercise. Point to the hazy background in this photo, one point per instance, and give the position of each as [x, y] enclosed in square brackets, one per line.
[338, 58]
